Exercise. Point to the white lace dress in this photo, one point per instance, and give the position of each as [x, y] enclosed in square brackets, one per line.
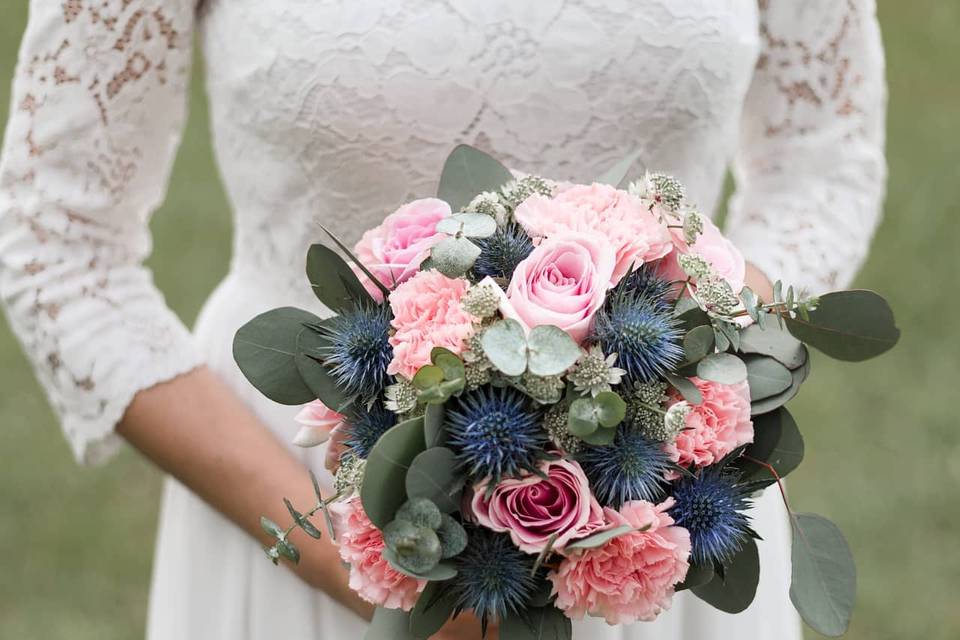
[338, 111]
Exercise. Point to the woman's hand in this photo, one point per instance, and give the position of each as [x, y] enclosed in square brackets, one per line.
[759, 283]
[466, 627]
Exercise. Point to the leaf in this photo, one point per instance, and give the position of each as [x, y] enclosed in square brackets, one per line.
[433, 432]
[686, 388]
[505, 344]
[724, 368]
[824, 584]
[434, 607]
[264, 349]
[766, 377]
[599, 539]
[698, 343]
[776, 441]
[334, 282]
[301, 521]
[697, 575]
[427, 376]
[735, 591]
[270, 527]
[376, 281]
[453, 537]
[442, 570]
[540, 623]
[454, 256]
[848, 325]
[550, 351]
[313, 373]
[692, 318]
[433, 475]
[582, 417]
[289, 551]
[468, 172]
[610, 409]
[615, 174]
[773, 402]
[472, 225]
[775, 342]
[389, 624]
[601, 437]
[384, 480]
[449, 363]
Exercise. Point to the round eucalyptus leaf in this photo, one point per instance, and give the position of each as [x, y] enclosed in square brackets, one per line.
[472, 225]
[699, 343]
[773, 402]
[697, 575]
[774, 341]
[551, 350]
[420, 511]
[389, 624]
[824, 582]
[468, 172]
[734, 592]
[777, 442]
[766, 377]
[433, 431]
[453, 537]
[435, 475]
[428, 376]
[454, 256]
[610, 409]
[601, 437]
[449, 363]
[384, 487]
[582, 418]
[724, 368]
[333, 281]
[416, 549]
[440, 571]
[316, 376]
[505, 344]
[848, 325]
[687, 389]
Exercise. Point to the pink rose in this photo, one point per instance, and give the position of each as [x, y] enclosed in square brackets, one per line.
[635, 233]
[531, 509]
[563, 282]
[711, 245]
[316, 421]
[427, 313]
[394, 250]
[361, 546]
[631, 577]
[716, 427]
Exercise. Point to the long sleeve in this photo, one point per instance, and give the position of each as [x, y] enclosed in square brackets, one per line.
[96, 116]
[810, 168]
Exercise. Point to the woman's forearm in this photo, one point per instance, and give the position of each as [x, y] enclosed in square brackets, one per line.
[197, 430]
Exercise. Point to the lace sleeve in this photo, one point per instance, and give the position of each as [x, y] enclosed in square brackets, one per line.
[810, 170]
[97, 112]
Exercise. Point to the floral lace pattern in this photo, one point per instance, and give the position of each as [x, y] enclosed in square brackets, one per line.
[337, 112]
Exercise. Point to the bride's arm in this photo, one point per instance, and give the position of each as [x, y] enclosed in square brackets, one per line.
[97, 112]
[810, 169]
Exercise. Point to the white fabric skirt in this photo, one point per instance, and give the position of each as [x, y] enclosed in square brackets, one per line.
[211, 580]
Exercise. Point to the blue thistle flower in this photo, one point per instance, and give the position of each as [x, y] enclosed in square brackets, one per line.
[642, 331]
[711, 507]
[359, 351]
[495, 432]
[647, 283]
[494, 577]
[502, 252]
[364, 426]
[632, 468]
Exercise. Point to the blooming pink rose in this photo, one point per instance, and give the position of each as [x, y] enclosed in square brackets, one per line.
[361, 546]
[427, 313]
[711, 245]
[716, 427]
[635, 233]
[631, 577]
[394, 250]
[563, 282]
[317, 421]
[531, 509]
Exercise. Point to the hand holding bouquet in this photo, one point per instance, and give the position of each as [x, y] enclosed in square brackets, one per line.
[555, 400]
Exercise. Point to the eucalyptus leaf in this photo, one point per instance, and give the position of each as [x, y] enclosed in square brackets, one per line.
[536, 623]
[615, 175]
[582, 417]
[505, 344]
[453, 537]
[775, 342]
[427, 376]
[724, 368]
[697, 575]
[773, 402]
[698, 343]
[693, 318]
[454, 256]
[384, 479]
[289, 551]
[848, 325]
[471, 225]
[550, 351]
[766, 377]
[334, 282]
[434, 474]
[413, 548]
[599, 539]
[346, 250]
[421, 512]
[734, 592]
[610, 408]
[468, 172]
[449, 363]
[308, 361]
[441, 571]
[270, 527]
[434, 607]
[390, 624]
[264, 349]
[824, 583]
[434, 433]
[601, 437]
[687, 389]
[776, 441]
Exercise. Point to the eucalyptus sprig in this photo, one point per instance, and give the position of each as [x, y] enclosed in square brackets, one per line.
[283, 546]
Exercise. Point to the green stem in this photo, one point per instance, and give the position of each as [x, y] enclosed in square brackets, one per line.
[309, 514]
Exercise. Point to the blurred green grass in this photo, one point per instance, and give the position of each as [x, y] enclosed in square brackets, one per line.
[883, 445]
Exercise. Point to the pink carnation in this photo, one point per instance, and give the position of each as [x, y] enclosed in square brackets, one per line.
[427, 313]
[361, 546]
[394, 250]
[631, 577]
[716, 427]
[634, 232]
[534, 508]
[316, 421]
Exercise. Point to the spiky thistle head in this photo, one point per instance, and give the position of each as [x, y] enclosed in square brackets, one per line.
[364, 425]
[358, 350]
[642, 331]
[646, 281]
[495, 432]
[632, 468]
[712, 507]
[494, 577]
[502, 252]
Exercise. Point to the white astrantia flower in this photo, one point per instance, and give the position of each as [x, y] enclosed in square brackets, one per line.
[693, 265]
[675, 419]
[692, 226]
[401, 397]
[716, 295]
[488, 203]
[595, 373]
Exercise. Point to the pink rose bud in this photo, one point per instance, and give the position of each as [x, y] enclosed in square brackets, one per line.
[317, 421]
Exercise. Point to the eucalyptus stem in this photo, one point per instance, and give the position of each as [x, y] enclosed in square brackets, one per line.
[321, 505]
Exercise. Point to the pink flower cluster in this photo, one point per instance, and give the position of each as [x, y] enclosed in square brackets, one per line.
[717, 426]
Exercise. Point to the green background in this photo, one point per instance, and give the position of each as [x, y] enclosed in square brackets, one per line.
[883, 444]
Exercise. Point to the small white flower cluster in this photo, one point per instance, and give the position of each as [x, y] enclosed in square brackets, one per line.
[555, 422]
[595, 373]
[488, 203]
[349, 475]
[693, 265]
[645, 397]
[481, 300]
[692, 226]
[660, 188]
[675, 419]
[401, 397]
[716, 295]
[543, 389]
[516, 191]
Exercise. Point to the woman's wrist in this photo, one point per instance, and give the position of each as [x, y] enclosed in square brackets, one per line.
[759, 283]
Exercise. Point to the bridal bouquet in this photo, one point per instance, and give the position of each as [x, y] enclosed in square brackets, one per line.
[554, 400]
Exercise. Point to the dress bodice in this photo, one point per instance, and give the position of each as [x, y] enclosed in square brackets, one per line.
[339, 111]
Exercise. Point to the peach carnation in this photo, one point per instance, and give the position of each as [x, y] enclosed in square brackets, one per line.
[427, 313]
[371, 576]
[716, 427]
[631, 577]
